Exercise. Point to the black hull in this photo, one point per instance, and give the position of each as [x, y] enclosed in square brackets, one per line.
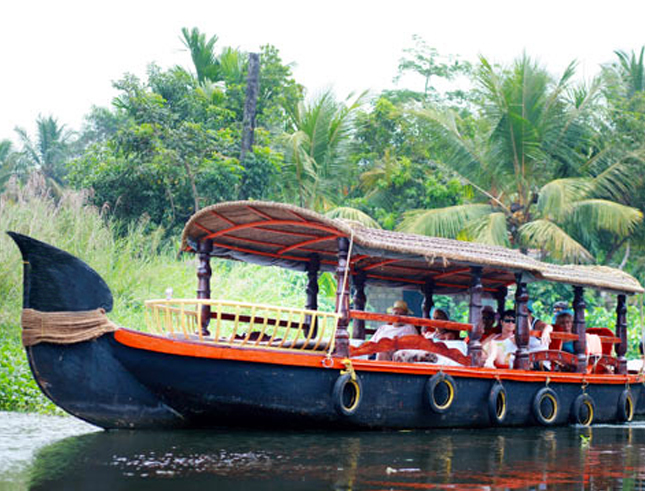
[115, 386]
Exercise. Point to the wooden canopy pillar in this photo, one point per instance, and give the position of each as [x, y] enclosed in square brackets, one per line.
[341, 347]
[579, 328]
[522, 328]
[474, 316]
[358, 281]
[621, 332]
[313, 267]
[428, 301]
[500, 296]
[204, 273]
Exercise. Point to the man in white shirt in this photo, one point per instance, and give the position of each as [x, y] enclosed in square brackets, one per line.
[395, 329]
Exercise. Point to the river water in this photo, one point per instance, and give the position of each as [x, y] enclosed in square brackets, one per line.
[63, 453]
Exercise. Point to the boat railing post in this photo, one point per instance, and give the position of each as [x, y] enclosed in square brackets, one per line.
[204, 273]
[500, 296]
[522, 327]
[313, 267]
[359, 299]
[474, 317]
[428, 302]
[579, 328]
[341, 345]
[621, 332]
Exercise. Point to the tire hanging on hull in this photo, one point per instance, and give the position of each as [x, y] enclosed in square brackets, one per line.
[625, 406]
[546, 406]
[347, 394]
[583, 410]
[440, 392]
[497, 404]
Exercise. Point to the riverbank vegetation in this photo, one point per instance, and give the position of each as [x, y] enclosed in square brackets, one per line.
[510, 155]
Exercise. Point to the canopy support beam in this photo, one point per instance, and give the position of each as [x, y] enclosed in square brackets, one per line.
[474, 316]
[360, 299]
[313, 267]
[579, 329]
[341, 347]
[522, 327]
[621, 332]
[204, 273]
[428, 300]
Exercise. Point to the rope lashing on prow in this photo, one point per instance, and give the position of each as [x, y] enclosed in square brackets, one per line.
[64, 327]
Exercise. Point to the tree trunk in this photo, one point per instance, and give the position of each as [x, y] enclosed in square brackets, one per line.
[250, 104]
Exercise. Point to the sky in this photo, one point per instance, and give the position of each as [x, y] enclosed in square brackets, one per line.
[60, 57]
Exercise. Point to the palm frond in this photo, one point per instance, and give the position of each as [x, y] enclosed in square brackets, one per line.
[549, 237]
[606, 215]
[443, 222]
[348, 213]
[556, 197]
[489, 229]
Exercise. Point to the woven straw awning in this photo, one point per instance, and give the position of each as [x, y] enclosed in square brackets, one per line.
[288, 236]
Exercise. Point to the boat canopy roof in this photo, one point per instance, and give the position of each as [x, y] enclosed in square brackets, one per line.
[289, 236]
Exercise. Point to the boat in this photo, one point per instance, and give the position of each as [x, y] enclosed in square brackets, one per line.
[211, 362]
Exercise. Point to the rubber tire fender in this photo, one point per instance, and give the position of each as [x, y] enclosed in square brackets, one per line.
[577, 416]
[431, 386]
[338, 394]
[497, 391]
[536, 406]
[625, 406]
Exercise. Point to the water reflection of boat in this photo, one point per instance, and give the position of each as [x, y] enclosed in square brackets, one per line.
[555, 458]
[206, 362]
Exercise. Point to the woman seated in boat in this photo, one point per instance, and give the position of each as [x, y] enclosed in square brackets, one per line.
[394, 329]
[488, 321]
[499, 349]
[440, 334]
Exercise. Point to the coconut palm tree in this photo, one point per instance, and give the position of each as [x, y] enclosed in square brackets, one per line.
[47, 153]
[540, 179]
[202, 52]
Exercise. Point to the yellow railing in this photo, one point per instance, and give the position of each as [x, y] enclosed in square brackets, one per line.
[243, 324]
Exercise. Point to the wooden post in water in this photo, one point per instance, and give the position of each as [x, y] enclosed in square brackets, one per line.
[621, 332]
[341, 347]
[313, 266]
[428, 301]
[358, 280]
[522, 327]
[204, 273]
[500, 296]
[579, 328]
[474, 316]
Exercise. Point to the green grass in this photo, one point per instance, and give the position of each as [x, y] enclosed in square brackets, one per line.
[137, 266]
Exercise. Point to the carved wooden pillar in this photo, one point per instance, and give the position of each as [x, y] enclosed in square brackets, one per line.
[313, 266]
[621, 332]
[360, 299]
[342, 299]
[522, 326]
[474, 317]
[204, 283]
[579, 328]
[500, 296]
[428, 301]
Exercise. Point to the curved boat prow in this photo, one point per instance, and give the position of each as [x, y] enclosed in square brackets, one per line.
[56, 281]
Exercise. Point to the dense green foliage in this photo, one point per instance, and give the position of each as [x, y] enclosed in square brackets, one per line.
[507, 155]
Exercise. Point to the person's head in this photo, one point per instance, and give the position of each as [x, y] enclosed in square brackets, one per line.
[508, 321]
[564, 320]
[488, 317]
[446, 334]
[560, 306]
[400, 307]
[440, 314]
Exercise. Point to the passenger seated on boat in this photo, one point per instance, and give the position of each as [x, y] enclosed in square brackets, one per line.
[563, 323]
[488, 322]
[439, 333]
[499, 349]
[395, 330]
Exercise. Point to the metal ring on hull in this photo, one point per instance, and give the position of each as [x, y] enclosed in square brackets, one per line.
[546, 406]
[497, 400]
[347, 394]
[440, 392]
[582, 410]
[625, 406]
